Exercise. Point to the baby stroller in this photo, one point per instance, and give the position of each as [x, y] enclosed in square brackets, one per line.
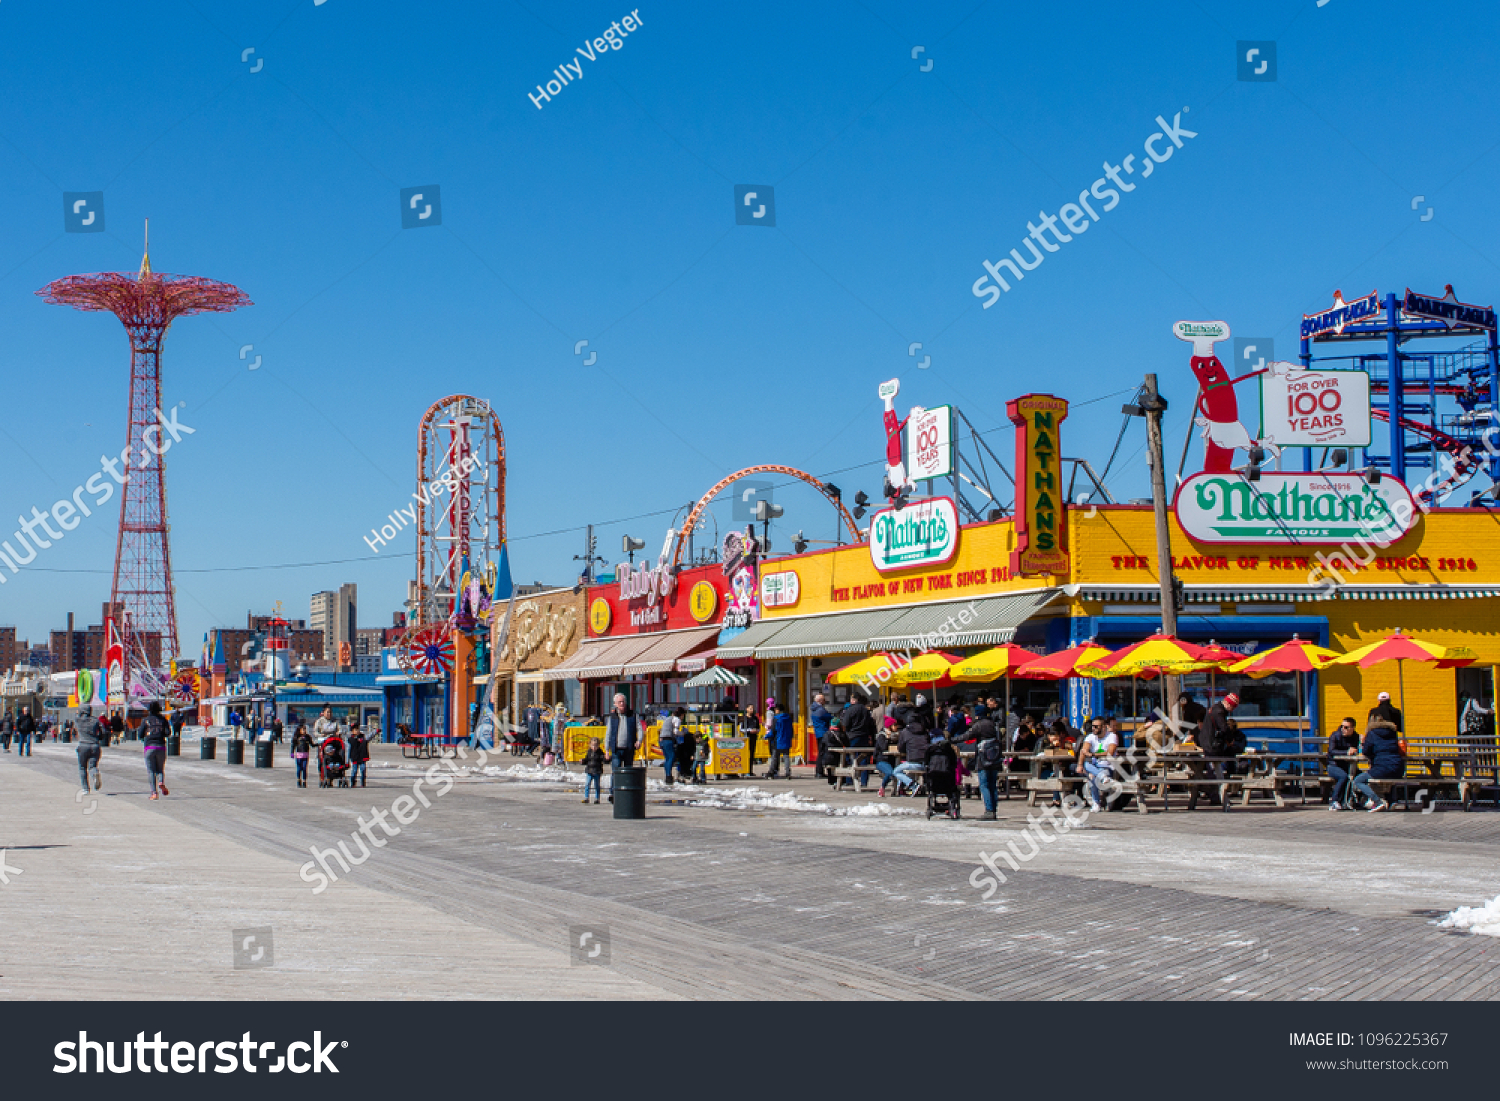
[942, 779]
[333, 762]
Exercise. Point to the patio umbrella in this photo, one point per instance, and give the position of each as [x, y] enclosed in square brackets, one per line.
[1402, 648]
[934, 667]
[995, 662]
[1297, 656]
[865, 668]
[1155, 655]
[1064, 663]
[716, 676]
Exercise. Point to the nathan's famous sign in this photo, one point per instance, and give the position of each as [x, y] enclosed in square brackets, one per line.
[924, 533]
[1041, 519]
[1293, 508]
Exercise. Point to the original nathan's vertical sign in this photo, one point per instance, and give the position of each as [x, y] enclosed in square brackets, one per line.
[1041, 519]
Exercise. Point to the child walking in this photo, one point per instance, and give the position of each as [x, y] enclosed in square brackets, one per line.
[301, 747]
[593, 769]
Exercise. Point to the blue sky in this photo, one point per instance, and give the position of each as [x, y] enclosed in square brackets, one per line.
[608, 216]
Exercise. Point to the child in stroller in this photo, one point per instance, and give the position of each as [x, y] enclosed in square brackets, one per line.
[942, 778]
[333, 762]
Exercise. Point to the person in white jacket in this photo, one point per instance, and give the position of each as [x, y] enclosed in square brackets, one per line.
[325, 726]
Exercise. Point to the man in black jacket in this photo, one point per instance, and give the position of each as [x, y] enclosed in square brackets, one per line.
[154, 731]
[989, 759]
[25, 730]
[1215, 738]
[859, 729]
[93, 736]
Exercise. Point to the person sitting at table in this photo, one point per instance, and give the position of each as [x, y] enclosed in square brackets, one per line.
[836, 740]
[859, 730]
[1026, 738]
[1094, 757]
[912, 744]
[1343, 742]
[1065, 735]
[1382, 746]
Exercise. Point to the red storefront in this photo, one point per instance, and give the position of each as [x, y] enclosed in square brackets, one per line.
[651, 630]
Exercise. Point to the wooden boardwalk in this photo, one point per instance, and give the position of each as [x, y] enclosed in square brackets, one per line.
[477, 896]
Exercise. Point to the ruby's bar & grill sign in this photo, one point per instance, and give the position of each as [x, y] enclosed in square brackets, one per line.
[1041, 531]
[1293, 508]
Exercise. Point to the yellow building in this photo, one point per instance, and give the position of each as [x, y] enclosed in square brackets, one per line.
[1439, 582]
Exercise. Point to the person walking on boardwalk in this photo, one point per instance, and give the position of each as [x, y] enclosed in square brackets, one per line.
[154, 732]
[25, 731]
[93, 736]
[301, 750]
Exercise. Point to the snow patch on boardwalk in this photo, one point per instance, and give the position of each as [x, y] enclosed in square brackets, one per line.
[1484, 920]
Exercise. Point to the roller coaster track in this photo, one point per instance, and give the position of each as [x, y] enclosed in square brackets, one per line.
[1466, 461]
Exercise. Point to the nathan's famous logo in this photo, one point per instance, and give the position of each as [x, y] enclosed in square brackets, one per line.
[1350, 507]
[911, 534]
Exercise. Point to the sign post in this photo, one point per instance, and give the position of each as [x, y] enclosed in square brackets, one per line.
[1154, 405]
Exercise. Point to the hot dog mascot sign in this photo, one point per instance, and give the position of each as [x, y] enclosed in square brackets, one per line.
[898, 483]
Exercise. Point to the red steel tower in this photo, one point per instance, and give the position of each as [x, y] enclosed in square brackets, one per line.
[147, 303]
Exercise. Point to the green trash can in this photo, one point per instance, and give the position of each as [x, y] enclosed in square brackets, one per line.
[235, 751]
[174, 745]
[628, 786]
[263, 754]
[207, 748]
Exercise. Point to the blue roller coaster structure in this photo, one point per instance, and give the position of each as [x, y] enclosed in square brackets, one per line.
[1440, 406]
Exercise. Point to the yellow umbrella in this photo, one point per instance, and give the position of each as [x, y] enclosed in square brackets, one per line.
[995, 662]
[1402, 648]
[1297, 656]
[928, 668]
[866, 668]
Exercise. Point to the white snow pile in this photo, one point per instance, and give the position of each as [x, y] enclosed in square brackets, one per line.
[1484, 920]
[535, 774]
[753, 798]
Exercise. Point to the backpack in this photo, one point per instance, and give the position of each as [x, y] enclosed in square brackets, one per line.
[989, 754]
[1476, 722]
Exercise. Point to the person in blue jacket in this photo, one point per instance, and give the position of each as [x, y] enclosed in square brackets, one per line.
[782, 732]
[1382, 746]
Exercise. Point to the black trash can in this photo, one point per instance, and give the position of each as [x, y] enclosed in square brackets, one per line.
[629, 787]
[174, 745]
[263, 754]
[234, 751]
[207, 747]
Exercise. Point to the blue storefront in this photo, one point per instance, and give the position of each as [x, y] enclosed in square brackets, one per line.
[1270, 706]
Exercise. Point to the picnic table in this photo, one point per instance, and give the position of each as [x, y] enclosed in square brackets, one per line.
[419, 746]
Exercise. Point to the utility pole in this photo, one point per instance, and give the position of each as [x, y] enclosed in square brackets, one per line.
[1154, 405]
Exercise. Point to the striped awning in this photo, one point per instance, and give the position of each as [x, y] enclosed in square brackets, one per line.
[602, 657]
[666, 650]
[717, 677]
[992, 621]
[839, 633]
